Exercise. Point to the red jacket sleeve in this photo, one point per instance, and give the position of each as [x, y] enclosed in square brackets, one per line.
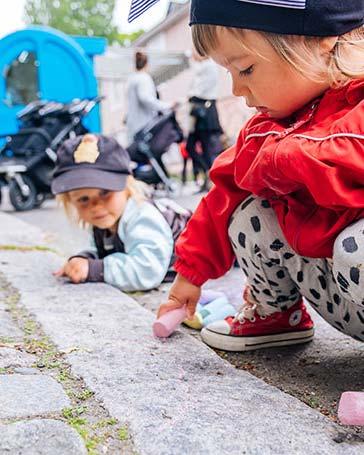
[203, 250]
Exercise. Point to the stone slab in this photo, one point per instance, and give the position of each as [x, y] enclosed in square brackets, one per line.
[177, 396]
[16, 232]
[33, 395]
[316, 372]
[8, 328]
[40, 437]
[13, 358]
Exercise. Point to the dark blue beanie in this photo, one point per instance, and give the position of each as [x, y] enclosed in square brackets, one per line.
[294, 17]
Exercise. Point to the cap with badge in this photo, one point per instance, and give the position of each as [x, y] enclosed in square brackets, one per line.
[295, 17]
[91, 161]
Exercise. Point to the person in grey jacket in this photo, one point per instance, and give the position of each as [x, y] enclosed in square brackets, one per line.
[142, 99]
[131, 242]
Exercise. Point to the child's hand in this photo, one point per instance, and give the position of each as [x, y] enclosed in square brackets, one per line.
[76, 269]
[182, 292]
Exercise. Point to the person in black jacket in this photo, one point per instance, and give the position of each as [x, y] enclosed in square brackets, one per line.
[204, 127]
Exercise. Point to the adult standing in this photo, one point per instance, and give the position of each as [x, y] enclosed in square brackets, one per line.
[205, 127]
[142, 99]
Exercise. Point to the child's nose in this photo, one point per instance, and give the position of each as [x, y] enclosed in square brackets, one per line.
[96, 202]
[239, 89]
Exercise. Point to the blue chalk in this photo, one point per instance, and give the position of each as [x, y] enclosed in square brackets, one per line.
[219, 314]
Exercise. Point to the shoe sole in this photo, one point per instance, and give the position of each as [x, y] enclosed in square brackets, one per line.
[230, 343]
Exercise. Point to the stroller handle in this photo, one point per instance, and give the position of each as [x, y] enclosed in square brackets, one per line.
[84, 106]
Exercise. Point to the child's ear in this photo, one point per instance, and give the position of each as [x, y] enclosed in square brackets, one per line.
[328, 43]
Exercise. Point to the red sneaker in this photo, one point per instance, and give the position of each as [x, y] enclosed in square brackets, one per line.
[255, 327]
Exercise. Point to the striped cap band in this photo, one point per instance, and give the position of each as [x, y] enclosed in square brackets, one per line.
[138, 7]
[298, 17]
[295, 4]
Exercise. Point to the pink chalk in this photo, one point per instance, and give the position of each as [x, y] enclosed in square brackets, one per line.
[167, 324]
[351, 408]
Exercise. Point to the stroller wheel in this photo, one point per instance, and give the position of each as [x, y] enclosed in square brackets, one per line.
[41, 197]
[23, 200]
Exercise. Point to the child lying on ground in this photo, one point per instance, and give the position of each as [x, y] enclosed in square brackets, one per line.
[288, 198]
[132, 243]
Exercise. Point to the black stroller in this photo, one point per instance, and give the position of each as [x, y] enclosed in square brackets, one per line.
[27, 158]
[150, 144]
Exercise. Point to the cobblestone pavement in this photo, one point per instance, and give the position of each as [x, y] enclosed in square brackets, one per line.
[44, 408]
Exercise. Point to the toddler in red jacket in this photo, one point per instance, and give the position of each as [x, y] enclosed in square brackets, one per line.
[288, 198]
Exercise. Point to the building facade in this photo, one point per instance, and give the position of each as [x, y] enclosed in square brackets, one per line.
[174, 35]
[168, 46]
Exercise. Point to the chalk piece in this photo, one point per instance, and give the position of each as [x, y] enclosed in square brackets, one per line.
[351, 408]
[195, 323]
[208, 295]
[167, 324]
[219, 313]
[213, 306]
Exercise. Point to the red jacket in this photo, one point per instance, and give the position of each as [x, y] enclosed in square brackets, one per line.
[311, 171]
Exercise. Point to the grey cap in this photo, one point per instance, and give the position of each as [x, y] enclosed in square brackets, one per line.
[91, 161]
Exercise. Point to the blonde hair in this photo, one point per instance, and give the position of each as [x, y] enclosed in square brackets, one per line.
[136, 189]
[303, 53]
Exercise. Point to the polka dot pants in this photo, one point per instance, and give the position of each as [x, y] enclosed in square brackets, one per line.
[279, 277]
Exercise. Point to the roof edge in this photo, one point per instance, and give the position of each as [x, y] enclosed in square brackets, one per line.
[165, 24]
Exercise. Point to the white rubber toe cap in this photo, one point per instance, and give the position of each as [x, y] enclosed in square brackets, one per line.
[219, 327]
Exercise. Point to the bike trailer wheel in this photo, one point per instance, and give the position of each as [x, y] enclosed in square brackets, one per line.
[23, 200]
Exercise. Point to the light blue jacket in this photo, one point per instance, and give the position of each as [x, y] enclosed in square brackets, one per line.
[148, 245]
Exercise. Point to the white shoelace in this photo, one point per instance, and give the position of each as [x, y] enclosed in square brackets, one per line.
[250, 309]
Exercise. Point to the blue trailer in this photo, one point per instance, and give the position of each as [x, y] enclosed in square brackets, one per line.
[41, 63]
[53, 75]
